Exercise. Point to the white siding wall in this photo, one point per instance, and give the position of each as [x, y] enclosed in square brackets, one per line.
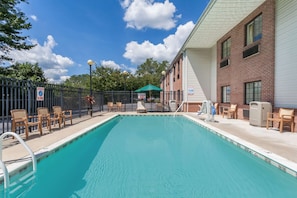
[286, 54]
[213, 74]
[199, 74]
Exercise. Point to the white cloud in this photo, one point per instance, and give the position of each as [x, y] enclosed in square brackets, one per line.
[125, 3]
[53, 65]
[139, 52]
[110, 63]
[147, 13]
[33, 17]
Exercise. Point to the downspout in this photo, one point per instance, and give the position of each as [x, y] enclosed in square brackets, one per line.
[185, 80]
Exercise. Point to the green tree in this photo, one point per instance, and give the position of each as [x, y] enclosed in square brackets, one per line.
[24, 71]
[80, 81]
[150, 72]
[12, 22]
[131, 82]
[103, 79]
[107, 79]
[110, 79]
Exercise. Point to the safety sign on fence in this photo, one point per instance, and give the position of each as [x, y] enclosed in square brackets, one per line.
[40, 93]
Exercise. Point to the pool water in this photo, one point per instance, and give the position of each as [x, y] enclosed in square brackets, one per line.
[155, 156]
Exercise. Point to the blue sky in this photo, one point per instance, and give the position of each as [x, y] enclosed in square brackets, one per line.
[114, 33]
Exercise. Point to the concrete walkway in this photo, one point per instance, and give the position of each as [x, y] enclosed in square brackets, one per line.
[282, 144]
[13, 150]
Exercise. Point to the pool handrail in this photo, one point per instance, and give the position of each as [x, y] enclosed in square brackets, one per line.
[5, 171]
[5, 174]
[178, 108]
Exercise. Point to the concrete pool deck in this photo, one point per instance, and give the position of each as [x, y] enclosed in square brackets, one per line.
[281, 144]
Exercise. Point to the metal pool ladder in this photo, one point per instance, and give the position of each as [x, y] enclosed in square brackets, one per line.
[2, 165]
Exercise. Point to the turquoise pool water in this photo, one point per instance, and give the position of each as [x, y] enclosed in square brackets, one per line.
[154, 156]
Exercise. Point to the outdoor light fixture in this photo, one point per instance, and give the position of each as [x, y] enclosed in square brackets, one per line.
[90, 63]
[125, 73]
[163, 81]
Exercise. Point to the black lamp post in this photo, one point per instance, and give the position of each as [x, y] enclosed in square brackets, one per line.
[90, 63]
[163, 82]
[125, 73]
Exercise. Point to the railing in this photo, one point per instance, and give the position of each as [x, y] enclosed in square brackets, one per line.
[22, 94]
[178, 108]
[5, 172]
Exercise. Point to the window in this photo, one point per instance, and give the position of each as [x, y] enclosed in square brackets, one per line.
[254, 30]
[226, 45]
[174, 74]
[226, 91]
[252, 91]
[178, 69]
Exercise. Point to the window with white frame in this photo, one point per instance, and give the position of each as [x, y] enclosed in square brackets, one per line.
[226, 91]
[254, 30]
[253, 91]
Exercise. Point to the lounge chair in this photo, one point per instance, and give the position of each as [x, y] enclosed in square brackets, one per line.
[44, 116]
[140, 107]
[284, 116]
[20, 118]
[119, 106]
[231, 111]
[62, 115]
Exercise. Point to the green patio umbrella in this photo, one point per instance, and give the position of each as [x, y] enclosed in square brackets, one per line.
[148, 87]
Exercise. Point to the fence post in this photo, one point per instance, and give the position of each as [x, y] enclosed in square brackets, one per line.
[79, 103]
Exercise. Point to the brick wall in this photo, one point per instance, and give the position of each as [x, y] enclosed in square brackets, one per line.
[176, 70]
[257, 67]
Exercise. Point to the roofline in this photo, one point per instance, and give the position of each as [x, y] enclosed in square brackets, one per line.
[199, 21]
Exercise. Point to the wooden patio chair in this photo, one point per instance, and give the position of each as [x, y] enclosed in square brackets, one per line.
[119, 106]
[62, 115]
[20, 118]
[284, 116]
[231, 111]
[216, 106]
[159, 107]
[111, 106]
[45, 116]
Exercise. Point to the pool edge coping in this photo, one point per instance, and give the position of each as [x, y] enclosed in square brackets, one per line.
[26, 161]
[276, 160]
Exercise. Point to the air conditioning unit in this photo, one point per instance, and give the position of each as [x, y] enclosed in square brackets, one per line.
[258, 113]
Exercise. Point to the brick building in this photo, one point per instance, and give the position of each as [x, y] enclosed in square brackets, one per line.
[239, 51]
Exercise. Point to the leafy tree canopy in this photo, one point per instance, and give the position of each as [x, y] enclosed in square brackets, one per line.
[81, 81]
[24, 71]
[12, 22]
[150, 72]
[110, 79]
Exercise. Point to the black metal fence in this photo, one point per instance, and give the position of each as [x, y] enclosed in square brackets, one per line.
[22, 94]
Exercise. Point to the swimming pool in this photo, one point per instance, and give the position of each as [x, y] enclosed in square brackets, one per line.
[155, 156]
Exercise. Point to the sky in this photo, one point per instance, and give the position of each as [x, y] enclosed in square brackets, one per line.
[120, 34]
